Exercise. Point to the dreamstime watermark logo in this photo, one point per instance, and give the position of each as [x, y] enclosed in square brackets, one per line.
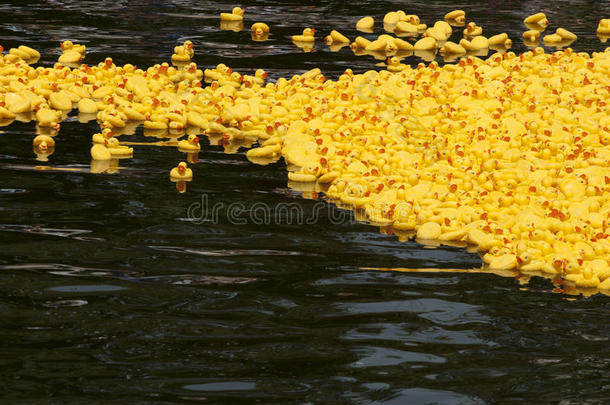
[288, 213]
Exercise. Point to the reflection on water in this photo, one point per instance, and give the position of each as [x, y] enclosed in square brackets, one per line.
[109, 293]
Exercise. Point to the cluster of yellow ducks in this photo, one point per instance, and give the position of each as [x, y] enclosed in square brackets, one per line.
[508, 154]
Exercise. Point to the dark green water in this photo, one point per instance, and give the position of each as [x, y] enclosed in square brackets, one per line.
[109, 294]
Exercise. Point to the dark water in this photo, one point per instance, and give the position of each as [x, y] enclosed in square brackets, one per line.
[108, 293]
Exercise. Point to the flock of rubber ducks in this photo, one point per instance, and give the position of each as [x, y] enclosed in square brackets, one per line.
[433, 39]
[508, 154]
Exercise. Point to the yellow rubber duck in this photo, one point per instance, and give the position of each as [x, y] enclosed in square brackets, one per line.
[394, 65]
[183, 53]
[335, 37]
[365, 24]
[500, 40]
[43, 143]
[237, 14]
[191, 144]
[71, 53]
[116, 149]
[531, 37]
[259, 29]
[100, 152]
[536, 20]
[181, 173]
[472, 30]
[603, 28]
[457, 16]
[307, 36]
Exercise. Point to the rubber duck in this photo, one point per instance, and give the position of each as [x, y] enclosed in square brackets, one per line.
[538, 19]
[440, 31]
[458, 16]
[191, 144]
[71, 53]
[531, 36]
[259, 29]
[42, 143]
[404, 27]
[307, 36]
[365, 24]
[102, 137]
[501, 40]
[391, 18]
[335, 37]
[100, 152]
[566, 35]
[181, 173]
[235, 15]
[452, 48]
[475, 44]
[116, 149]
[603, 27]
[472, 30]
[394, 64]
[426, 44]
[183, 53]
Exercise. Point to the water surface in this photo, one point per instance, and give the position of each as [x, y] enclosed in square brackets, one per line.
[109, 294]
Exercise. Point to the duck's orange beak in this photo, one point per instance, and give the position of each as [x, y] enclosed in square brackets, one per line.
[313, 30]
[181, 169]
[61, 45]
[42, 145]
[265, 75]
[195, 140]
[190, 45]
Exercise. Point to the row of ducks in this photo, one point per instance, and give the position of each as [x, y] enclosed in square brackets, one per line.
[434, 39]
[507, 153]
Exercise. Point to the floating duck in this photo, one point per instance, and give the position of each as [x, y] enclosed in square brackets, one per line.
[404, 27]
[335, 37]
[181, 173]
[116, 149]
[365, 24]
[237, 14]
[71, 53]
[440, 31]
[191, 144]
[183, 53]
[531, 36]
[501, 40]
[472, 30]
[307, 36]
[426, 44]
[100, 152]
[391, 18]
[394, 64]
[102, 137]
[259, 29]
[43, 142]
[538, 19]
[475, 44]
[452, 48]
[457, 16]
[603, 27]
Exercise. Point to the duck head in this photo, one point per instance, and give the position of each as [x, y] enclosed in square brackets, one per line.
[193, 139]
